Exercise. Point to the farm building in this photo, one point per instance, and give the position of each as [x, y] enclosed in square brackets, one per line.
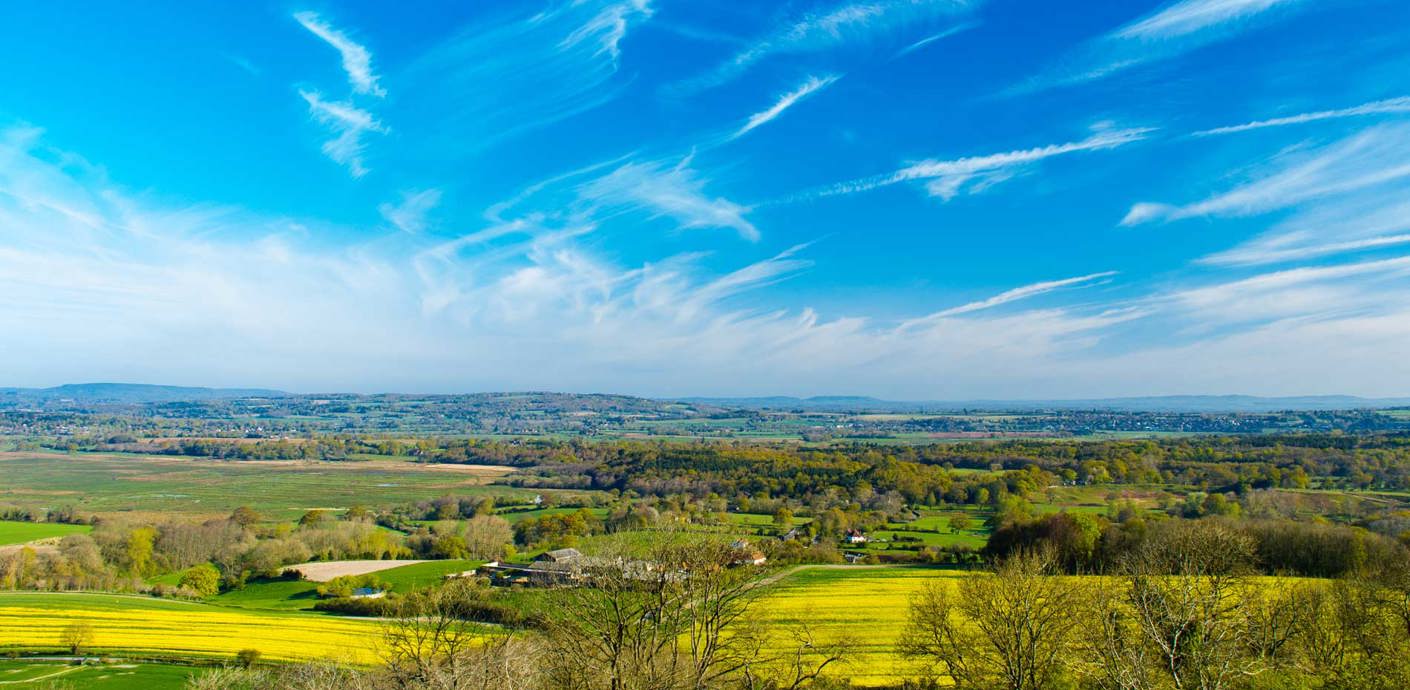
[368, 593]
[744, 554]
[560, 556]
[855, 536]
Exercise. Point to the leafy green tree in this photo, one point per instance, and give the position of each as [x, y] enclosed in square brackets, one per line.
[313, 518]
[245, 516]
[139, 546]
[203, 579]
[783, 518]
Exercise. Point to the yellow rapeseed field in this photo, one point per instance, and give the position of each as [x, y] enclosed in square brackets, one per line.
[869, 606]
[138, 625]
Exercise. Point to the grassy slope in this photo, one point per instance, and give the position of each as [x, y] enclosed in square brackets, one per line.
[21, 532]
[411, 577]
[273, 595]
[301, 595]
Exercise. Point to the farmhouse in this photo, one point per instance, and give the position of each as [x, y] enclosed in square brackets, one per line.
[744, 554]
[855, 536]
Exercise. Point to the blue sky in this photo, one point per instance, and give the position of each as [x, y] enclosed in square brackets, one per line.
[922, 199]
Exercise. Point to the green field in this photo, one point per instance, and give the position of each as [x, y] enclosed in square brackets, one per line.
[515, 516]
[99, 483]
[420, 575]
[20, 532]
[301, 595]
[273, 595]
[21, 674]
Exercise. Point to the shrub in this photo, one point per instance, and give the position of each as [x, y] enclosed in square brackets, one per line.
[246, 658]
[202, 579]
[344, 585]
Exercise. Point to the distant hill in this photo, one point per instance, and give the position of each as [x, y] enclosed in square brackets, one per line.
[90, 393]
[109, 394]
[1168, 403]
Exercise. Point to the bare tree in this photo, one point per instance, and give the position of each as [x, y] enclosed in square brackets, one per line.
[1353, 637]
[719, 596]
[77, 637]
[801, 664]
[1110, 646]
[430, 635]
[659, 616]
[1013, 628]
[1189, 592]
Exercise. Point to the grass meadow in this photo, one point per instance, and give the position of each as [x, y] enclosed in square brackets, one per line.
[21, 532]
[120, 675]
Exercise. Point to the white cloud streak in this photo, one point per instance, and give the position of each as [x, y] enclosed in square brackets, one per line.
[809, 87]
[609, 26]
[350, 123]
[410, 214]
[499, 78]
[1014, 295]
[840, 25]
[357, 60]
[1382, 107]
[1365, 160]
[663, 190]
[1164, 34]
[936, 37]
[1191, 16]
[947, 179]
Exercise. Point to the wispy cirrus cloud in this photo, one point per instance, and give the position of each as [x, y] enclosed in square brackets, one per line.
[1370, 158]
[1016, 294]
[350, 123]
[1364, 221]
[87, 269]
[947, 179]
[357, 60]
[609, 26]
[1265, 252]
[409, 215]
[938, 36]
[827, 29]
[1303, 292]
[1192, 16]
[505, 75]
[810, 86]
[1381, 107]
[1169, 32]
[671, 191]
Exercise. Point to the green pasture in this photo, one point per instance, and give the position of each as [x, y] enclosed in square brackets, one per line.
[12, 532]
[21, 674]
[100, 483]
